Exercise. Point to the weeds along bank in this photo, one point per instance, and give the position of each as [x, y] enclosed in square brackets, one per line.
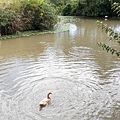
[26, 15]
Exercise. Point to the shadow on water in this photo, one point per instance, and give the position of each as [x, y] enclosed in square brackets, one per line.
[84, 79]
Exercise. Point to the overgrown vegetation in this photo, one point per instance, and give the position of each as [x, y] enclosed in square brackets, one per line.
[90, 8]
[113, 36]
[22, 15]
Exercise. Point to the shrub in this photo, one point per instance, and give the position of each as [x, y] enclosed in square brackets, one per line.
[44, 17]
[28, 17]
[98, 9]
[7, 20]
[38, 15]
[79, 9]
[92, 8]
[67, 10]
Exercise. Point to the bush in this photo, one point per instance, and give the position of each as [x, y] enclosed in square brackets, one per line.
[103, 9]
[67, 10]
[98, 9]
[28, 17]
[72, 9]
[7, 20]
[92, 9]
[79, 9]
[44, 17]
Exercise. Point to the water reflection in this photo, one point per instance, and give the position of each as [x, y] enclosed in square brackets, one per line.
[117, 28]
[84, 79]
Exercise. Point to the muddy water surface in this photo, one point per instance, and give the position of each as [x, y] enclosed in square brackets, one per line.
[84, 79]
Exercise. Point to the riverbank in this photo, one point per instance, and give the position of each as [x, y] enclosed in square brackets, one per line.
[26, 34]
[61, 26]
[63, 19]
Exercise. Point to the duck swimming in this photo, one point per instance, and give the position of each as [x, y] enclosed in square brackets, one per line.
[45, 101]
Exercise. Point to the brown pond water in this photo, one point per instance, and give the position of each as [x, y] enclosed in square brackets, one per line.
[84, 79]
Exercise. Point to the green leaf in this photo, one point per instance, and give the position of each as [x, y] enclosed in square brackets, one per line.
[3, 24]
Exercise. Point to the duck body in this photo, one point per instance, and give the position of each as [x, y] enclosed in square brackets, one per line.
[45, 101]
